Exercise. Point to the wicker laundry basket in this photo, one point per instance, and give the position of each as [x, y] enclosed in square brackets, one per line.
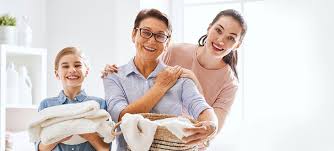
[164, 140]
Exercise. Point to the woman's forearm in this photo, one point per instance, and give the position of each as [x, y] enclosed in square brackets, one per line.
[209, 115]
[221, 115]
[162, 83]
[145, 103]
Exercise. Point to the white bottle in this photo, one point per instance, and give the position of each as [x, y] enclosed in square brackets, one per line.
[12, 85]
[25, 87]
[24, 32]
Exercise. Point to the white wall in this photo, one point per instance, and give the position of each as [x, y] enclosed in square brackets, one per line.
[173, 9]
[289, 80]
[101, 29]
[35, 10]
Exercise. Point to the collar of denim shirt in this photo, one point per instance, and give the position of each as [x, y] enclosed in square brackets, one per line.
[131, 68]
[80, 97]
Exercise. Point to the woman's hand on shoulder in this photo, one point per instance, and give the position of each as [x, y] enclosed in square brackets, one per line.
[186, 73]
[109, 69]
[168, 77]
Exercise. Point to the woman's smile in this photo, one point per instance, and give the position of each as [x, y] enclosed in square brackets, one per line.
[150, 49]
[217, 47]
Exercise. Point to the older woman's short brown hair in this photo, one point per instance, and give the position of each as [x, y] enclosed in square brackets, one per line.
[146, 13]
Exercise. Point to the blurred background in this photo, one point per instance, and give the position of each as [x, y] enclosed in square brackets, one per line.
[285, 101]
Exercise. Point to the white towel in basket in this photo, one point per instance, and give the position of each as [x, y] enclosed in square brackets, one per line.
[138, 132]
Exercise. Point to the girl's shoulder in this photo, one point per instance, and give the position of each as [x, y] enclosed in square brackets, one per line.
[50, 99]
[48, 102]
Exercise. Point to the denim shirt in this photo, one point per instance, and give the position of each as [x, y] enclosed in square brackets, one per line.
[62, 99]
[128, 85]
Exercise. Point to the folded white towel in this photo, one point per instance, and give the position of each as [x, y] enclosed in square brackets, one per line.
[55, 123]
[176, 125]
[138, 132]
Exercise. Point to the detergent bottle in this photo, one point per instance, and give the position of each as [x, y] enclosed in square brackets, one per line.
[12, 85]
[24, 32]
[25, 87]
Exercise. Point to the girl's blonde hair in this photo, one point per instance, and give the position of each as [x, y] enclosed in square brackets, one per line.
[67, 51]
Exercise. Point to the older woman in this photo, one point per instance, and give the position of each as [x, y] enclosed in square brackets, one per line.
[145, 84]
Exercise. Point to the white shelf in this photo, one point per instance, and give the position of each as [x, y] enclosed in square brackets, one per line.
[35, 61]
[19, 106]
[19, 50]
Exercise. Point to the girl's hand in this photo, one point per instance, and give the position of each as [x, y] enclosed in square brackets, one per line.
[109, 69]
[202, 132]
[64, 139]
[48, 147]
[89, 136]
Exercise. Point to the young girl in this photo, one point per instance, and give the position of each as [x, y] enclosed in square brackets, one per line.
[71, 69]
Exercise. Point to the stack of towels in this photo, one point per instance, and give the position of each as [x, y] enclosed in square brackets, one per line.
[55, 123]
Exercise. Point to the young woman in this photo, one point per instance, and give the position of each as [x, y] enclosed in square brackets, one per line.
[212, 62]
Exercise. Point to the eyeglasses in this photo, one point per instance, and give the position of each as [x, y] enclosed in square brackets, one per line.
[145, 33]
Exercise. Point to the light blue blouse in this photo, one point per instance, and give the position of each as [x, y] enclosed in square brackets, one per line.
[128, 85]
